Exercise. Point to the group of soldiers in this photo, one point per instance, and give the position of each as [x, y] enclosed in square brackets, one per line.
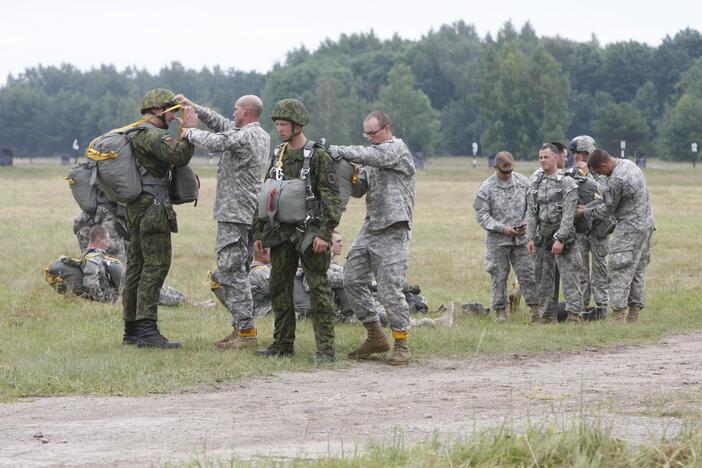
[589, 226]
[272, 230]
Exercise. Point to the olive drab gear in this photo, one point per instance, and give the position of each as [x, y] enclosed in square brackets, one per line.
[65, 275]
[81, 180]
[157, 98]
[545, 234]
[292, 110]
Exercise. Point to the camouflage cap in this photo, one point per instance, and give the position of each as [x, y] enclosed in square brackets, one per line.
[582, 144]
[292, 110]
[504, 161]
[158, 97]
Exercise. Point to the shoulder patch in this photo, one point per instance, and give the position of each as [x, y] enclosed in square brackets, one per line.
[167, 139]
[331, 177]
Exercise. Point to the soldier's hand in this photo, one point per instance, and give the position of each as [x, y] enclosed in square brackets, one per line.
[509, 231]
[182, 100]
[319, 245]
[531, 247]
[582, 165]
[557, 248]
[258, 246]
[188, 117]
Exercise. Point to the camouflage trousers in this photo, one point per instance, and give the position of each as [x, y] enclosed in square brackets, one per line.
[569, 270]
[284, 261]
[117, 245]
[498, 259]
[149, 223]
[383, 256]
[630, 254]
[593, 274]
[230, 280]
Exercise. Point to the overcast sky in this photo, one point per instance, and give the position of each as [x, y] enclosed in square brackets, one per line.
[253, 35]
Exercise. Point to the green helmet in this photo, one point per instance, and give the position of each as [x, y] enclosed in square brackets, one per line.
[157, 98]
[292, 110]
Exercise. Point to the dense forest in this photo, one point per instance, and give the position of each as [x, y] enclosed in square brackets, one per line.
[443, 92]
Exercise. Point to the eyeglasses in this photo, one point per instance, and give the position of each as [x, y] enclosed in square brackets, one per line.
[367, 134]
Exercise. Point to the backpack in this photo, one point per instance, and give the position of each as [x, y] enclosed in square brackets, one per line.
[117, 172]
[81, 180]
[65, 275]
[184, 185]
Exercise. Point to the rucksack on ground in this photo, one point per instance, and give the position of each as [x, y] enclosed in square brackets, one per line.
[65, 275]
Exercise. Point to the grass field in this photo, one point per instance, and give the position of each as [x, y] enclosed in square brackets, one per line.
[56, 345]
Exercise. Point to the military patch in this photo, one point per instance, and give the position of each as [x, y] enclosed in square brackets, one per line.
[167, 139]
[331, 176]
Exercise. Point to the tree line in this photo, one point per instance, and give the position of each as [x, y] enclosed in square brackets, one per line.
[444, 91]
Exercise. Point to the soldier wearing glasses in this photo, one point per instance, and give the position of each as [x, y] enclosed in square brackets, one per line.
[381, 249]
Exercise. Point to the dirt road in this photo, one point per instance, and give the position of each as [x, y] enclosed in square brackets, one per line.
[330, 411]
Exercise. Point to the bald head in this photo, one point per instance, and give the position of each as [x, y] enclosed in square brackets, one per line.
[247, 109]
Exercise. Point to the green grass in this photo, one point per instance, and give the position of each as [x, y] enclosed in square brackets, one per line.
[56, 345]
[579, 444]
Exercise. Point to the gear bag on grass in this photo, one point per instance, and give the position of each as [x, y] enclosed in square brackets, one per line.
[65, 275]
[81, 180]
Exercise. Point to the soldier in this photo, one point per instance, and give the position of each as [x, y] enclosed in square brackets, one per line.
[151, 218]
[551, 235]
[591, 246]
[305, 241]
[110, 215]
[627, 198]
[244, 147]
[102, 275]
[381, 249]
[560, 160]
[500, 208]
[259, 279]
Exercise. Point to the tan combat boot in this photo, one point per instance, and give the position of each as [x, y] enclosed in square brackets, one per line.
[375, 343]
[633, 314]
[400, 354]
[535, 318]
[619, 315]
[239, 339]
[500, 315]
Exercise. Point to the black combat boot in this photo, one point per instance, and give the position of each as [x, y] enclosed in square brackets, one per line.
[274, 350]
[148, 336]
[130, 333]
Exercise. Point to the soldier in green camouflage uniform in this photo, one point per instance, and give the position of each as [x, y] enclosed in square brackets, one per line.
[308, 245]
[151, 219]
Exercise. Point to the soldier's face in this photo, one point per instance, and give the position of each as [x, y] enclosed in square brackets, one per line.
[337, 244]
[284, 129]
[374, 132]
[580, 156]
[562, 159]
[547, 160]
[239, 115]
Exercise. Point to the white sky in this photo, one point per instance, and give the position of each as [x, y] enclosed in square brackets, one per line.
[253, 35]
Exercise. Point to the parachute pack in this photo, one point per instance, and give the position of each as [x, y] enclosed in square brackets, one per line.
[65, 275]
[113, 169]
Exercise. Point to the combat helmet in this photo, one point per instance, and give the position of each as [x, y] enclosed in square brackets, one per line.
[582, 144]
[292, 110]
[159, 98]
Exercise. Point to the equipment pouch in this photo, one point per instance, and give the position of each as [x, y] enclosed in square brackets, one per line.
[601, 228]
[184, 185]
[81, 180]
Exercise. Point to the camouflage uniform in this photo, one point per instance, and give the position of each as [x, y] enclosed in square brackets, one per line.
[498, 204]
[99, 281]
[283, 239]
[381, 249]
[627, 198]
[244, 152]
[546, 214]
[150, 221]
[110, 215]
[593, 278]
[259, 278]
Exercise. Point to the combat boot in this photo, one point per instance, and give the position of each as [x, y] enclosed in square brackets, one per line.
[633, 314]
[375, 343]
[500, 315]
[619, 315]
[239, 339]
[130, 333]
[400, 354]
[148, 336]
[534, 318]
